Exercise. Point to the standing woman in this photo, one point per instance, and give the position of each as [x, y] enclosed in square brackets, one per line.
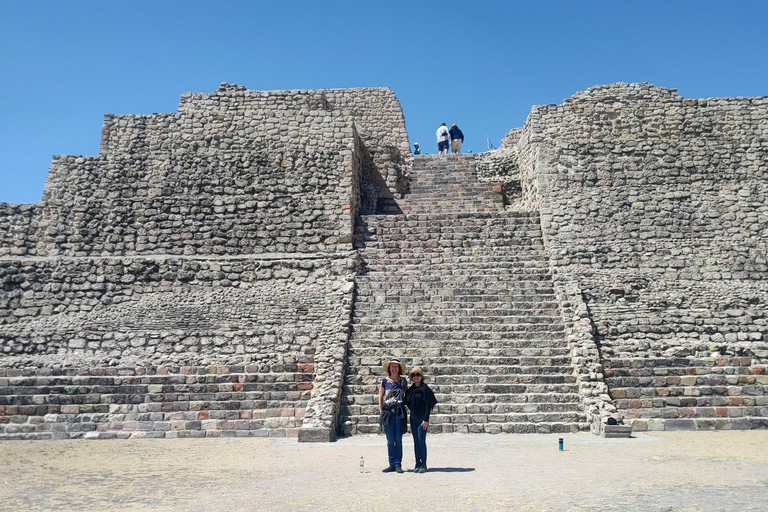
[393, 417]
[420, 400]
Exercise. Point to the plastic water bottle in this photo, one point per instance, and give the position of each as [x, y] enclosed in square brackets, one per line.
[560, 444]
[362, 465]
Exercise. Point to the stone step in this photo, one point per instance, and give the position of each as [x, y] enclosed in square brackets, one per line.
[442, 243]
[678, 381]
[371, 408]
[71, 404]
[395, 258]
[441, 216]
[523, 302]
[488, 428]
[432, 231]
[392, 311]
[426, 355]
[521, 305]
[724, 389]
[441, 223]
[683, 401]
[458, 274]
[538, 287]
[481, 418]
[451, 190]
[486, 400]
[716, 423]
[467, 309]
[468, 267]
[636, 363]
[394, 347]
[479, 392]
[521, 255]
[414, 328]
[479, 364]
[469, 208]
[526, 375]
[695, 412]
[419, 302]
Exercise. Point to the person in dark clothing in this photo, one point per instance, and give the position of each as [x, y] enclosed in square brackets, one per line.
[420, 400]
[393, 418]
[457, 138]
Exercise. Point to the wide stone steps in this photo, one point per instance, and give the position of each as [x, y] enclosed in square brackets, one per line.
[402, 268]
[450, 243]
[466, 326]
[490, 225]
[479, 392]
[395, 258]
[466, 294]
[178, 402]
[473, 373]
[450, 354]
[469, 305]
[474, 364]
[689, 393]
[465, 417]
[448, 185]
[492, 428]
[457, 275]
[432, 232]
[404, 311]
[539, 288]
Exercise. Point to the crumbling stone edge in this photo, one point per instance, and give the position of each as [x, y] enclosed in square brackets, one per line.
[322, 411]
[585, 357]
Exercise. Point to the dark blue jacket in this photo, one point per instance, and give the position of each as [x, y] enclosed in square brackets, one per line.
[456, 133]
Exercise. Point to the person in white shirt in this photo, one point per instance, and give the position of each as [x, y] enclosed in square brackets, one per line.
[443, 139]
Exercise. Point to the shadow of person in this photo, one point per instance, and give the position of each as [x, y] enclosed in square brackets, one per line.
[450, 470]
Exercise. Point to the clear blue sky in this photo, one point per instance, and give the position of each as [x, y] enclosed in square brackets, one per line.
[64, 64]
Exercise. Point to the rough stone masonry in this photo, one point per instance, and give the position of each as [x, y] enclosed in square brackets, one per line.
[198, 277]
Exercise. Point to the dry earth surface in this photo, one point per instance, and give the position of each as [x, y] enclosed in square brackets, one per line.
[671, 471]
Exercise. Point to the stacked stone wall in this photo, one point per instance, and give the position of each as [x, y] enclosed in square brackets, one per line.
[656, 208]
[208, 247]
[659, 205]
[376, 111]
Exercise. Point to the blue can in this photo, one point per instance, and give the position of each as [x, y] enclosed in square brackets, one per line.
[560, 444]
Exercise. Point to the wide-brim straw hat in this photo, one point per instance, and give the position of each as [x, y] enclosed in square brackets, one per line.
[415, 369]
[396, 361]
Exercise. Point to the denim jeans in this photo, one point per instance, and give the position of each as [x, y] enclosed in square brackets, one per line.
[419, 443]
[394, 443]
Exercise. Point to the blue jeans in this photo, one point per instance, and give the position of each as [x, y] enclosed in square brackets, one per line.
[419, 443]
[394, 443]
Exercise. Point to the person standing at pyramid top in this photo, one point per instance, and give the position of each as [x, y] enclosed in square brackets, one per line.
[443, 139]
[457, 138]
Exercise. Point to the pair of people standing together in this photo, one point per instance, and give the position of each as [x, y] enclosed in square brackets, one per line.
[394, 397]
[454, 137]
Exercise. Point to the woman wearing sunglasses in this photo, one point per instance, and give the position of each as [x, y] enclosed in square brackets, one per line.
[420, 400]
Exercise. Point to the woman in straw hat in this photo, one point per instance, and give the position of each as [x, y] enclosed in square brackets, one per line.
[393, 417]
[420, 400]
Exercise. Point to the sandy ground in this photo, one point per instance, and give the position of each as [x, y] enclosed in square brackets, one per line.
[670, 471]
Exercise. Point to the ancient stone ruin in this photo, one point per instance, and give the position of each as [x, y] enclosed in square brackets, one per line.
[242, 267]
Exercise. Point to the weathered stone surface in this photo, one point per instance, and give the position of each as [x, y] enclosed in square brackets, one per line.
[203, 276]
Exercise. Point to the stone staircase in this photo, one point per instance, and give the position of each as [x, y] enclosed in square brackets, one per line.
[446, 184]
[462, 289]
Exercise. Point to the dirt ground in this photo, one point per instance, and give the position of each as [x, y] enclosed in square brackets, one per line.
[670, 471]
